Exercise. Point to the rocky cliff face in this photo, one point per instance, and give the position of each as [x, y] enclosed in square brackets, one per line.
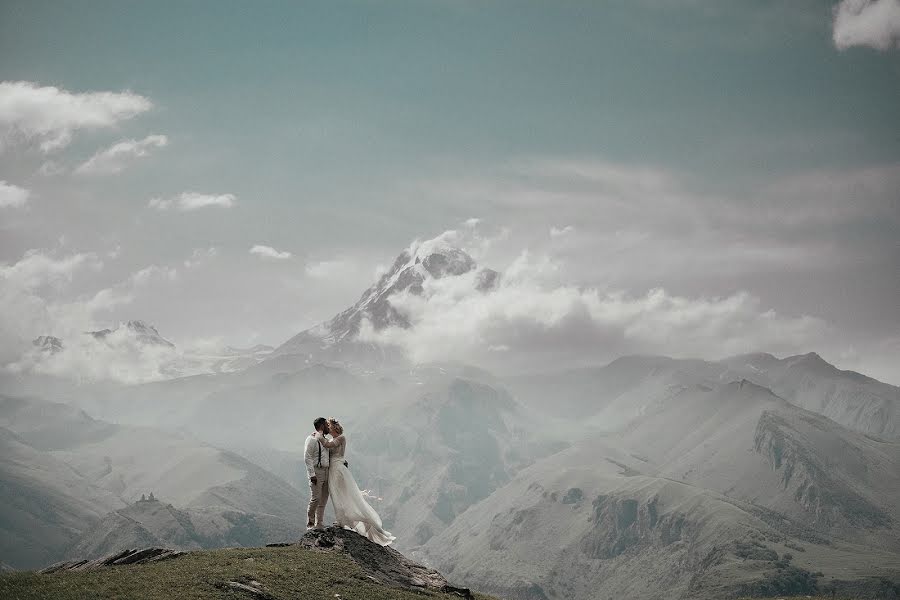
[620, 524]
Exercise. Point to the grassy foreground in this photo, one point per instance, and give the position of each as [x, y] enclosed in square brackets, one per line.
[285, 573]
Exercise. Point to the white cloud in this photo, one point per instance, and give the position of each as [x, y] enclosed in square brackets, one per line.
[154, 273]
[339, 268]
[269, 252]
[200, 256]
[32, 304]
[189, 201]
[647, 227]
[23, 288]
[12, 196]
[874, 23]
[50, 168]
[472, 222]
[49, 115]
[36, 269]
[115, 158]
[561, 231]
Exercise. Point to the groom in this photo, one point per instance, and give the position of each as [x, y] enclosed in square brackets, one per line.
[317, 468]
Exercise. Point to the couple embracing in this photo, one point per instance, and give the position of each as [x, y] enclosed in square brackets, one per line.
[329, 475]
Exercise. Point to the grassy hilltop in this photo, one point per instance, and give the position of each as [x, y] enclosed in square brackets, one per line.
[278, 573]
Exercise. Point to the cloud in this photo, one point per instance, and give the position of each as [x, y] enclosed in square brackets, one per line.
[530, 322]
[154, 273]
[200, 256]
[32, 303]
[189, 201]
[561, 231]
[50, 168]
[12, 196]
[115, 158]
[873, 23]
[650, 227]
[49, 115]
[24, 285]
[269, 252]
[340, 268]
[37, 268]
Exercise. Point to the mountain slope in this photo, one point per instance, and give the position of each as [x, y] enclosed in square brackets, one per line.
[153, 523]
[44, 503]
[435, 451]
[672, 505]
[61, 471]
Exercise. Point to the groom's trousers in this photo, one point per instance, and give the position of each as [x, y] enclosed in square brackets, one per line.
[318, 497]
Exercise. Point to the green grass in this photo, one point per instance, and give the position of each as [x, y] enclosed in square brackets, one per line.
[286, 573]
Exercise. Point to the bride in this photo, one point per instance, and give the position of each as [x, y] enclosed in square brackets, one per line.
[350, 506]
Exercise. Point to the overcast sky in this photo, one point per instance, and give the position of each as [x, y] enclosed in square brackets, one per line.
[688, 177]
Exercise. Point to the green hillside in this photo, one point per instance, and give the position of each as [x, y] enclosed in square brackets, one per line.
[289, 572]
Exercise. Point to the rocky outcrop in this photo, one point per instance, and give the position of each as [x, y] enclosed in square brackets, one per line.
[382, 564]
[48, 343]
[620, 524]
[126, 557]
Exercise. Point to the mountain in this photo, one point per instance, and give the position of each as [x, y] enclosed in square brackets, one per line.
[136, 345]
[608, 395]
[139, 330]
[62, 471]
[48, 343]
[439, 448]
[44, 504]
[710, 491]
[149, 522]
[337, 340]
[807, 380]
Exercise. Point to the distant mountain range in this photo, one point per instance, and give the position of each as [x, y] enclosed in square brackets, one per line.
[139, 335]
[610, 395]
[649, 477]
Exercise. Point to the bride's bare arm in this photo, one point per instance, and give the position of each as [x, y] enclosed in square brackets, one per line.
[330, 443]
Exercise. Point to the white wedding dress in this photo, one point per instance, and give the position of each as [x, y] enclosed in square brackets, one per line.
[350, 507]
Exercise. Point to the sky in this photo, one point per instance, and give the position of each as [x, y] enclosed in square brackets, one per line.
[683, 177]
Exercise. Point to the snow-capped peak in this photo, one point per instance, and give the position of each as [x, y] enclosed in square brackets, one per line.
[417, 264]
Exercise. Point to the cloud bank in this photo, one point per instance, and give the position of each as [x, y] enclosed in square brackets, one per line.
[50, 116]
[873, 23]
[33, 302]
[115, 158]
[529, 321]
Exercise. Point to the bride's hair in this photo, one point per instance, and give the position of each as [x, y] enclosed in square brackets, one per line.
[335, 426]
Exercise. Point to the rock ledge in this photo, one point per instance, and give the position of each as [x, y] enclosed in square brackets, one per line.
[383, 564]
